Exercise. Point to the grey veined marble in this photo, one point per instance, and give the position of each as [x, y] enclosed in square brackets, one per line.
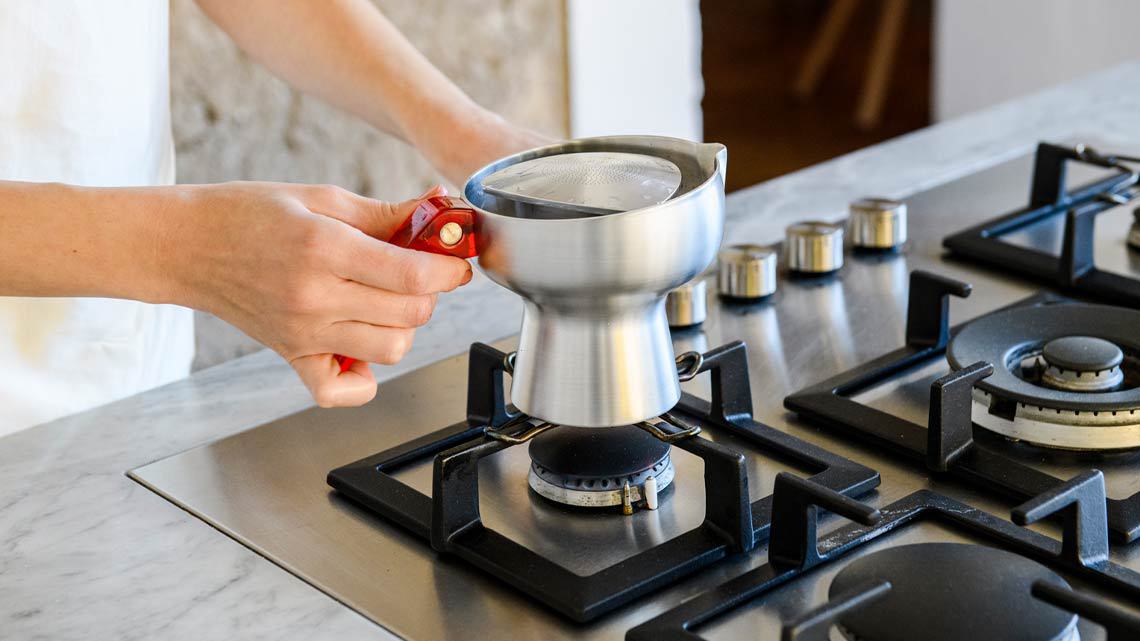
[86, 553]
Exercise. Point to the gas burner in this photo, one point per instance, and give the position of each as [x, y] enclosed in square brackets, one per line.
[1006, 585]
[1005, 344]
[566, 459]
[596, 467]
[1064, 375]
[1081, 364]
[978, 592]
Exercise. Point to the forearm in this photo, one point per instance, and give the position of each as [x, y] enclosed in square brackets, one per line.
[60, 240]
[348, 54]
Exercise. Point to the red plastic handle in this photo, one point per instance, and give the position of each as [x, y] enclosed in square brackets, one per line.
[439, 225]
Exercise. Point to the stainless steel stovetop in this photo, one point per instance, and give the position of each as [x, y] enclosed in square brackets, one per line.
[266, 487]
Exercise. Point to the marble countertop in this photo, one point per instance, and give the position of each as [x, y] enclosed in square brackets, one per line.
[87, 553]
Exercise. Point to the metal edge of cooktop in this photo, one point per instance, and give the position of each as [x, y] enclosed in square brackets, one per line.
[808, 331]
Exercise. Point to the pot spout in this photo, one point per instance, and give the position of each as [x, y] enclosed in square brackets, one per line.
[714, 154]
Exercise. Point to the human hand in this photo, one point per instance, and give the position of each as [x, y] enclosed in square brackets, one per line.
[300, 269]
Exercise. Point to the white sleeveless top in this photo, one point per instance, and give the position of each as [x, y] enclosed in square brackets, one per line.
[84, 99]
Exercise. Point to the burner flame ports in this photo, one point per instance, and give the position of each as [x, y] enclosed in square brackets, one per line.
[1081, 364]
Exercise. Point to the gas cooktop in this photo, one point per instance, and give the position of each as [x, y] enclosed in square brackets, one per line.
[591, 468]
[960, 450]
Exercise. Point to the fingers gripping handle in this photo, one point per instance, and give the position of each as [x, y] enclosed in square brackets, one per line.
[439, 225]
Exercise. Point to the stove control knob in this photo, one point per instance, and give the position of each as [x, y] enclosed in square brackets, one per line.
[1134, 233]
[877, 224]
[746, 272]
[814, 247]
[685, 306]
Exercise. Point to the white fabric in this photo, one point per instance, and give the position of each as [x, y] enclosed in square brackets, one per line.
[84, 99]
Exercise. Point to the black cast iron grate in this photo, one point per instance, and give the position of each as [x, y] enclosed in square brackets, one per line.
[450, 521]
[1074, 270]
[946, 443]
[795, 549]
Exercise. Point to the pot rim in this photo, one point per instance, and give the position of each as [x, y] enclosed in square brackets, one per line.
[718, 153]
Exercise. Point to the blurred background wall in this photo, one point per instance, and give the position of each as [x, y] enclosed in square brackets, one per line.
[987, 52]
[784, 84]
[788, 84]
[635, 67]
[791, 84]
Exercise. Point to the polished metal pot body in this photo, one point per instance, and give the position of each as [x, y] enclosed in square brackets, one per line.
[594, 348]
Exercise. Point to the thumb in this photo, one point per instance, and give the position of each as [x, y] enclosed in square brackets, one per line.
[381, 219]
[373, 217]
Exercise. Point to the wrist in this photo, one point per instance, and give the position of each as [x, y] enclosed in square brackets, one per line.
[443, 134]
[471, 138]
[162, 241]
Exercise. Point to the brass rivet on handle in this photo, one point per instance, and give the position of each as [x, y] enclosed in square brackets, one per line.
[450, 234]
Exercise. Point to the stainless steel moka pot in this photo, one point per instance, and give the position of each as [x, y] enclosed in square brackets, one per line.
[594, 349]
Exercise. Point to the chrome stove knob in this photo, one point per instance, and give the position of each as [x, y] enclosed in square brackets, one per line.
[686, 306]
[746, 272]
[814, 247]
[877, 224]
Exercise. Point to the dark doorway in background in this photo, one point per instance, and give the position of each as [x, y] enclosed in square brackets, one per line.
[771, 97]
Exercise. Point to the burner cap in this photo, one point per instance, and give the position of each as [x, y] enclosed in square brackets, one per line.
[1033, 397]
[597, 451]
[1082, 353]
[953, 592]
[588, 466]
[1082, 364]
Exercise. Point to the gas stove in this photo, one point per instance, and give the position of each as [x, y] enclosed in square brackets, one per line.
[884, 441]
[1043, 379]
[998, 586]
[583, 468]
